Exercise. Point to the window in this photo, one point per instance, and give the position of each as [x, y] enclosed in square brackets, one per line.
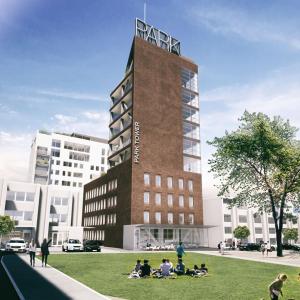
[66, 183]
[181, 219]
[227, 218]
[146, 179]
[191, 147]
[258, 230]
[168, 234]
[20, 196]
[28, 215]
[180, 183]
[242, 219]
[272, 241]
[56, 143]
[190, 184]
[56, 172]
[69, 174]
[270, 220]
[56, 182]
[170, 182]
[97, 168]
[79, 175]
[67, 164]
[228, 230]
[103, 151]
[189, 80]
[170, 218]
[157, 217]
[191, 219]
[92, 167]
[55, 153]
[10, 195]
[146, 198]
[191, 164]
[158, 198]
[226, 201]
[146, 217]
[158, 181]
[58, 162]
[191, 202]
[30, 197]
[170, 200]
[75, 165]
[181, 201]
[81, 166]
[102, 161]
[257, 218]
[272, 230]
[63, 218]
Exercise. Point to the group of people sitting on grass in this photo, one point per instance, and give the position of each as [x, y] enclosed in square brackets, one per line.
[166, 270]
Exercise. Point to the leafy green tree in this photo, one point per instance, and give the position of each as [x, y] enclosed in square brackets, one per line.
[290, 234]
[241, 232]
[259, 166]
[6, 226]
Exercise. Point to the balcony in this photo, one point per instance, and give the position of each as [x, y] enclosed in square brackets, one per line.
[41, 173]
[122, 89]
[42, 163]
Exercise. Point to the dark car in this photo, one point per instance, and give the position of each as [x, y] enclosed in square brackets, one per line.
[249, 247]
[92, 245]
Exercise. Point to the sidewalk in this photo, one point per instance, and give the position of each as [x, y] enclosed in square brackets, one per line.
[289, 259]
[46, 283]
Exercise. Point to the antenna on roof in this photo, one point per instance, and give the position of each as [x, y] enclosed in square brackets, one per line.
[145, 7]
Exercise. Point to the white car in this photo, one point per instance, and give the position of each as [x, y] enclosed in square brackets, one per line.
[16, 245]
[72, 245]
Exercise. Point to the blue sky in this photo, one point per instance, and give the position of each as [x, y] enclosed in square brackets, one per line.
[60, 59]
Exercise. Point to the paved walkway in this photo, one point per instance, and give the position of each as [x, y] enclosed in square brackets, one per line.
[46, 283]
[289, 259]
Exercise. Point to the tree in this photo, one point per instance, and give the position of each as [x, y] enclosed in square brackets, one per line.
[241, 232]
[290, 234]
[6, 226]
[259, 166]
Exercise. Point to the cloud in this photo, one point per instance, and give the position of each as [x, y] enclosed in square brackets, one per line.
[246, 25]
[14, 158]
[71, 95]
[87, 122]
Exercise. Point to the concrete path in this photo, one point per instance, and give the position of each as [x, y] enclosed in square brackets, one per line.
[289, 259]
[46, 283]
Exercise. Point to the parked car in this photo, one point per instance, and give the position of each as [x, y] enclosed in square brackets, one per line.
[16, 245]
[296, 247]
[92, 245]
[72, 245]
[249, 247]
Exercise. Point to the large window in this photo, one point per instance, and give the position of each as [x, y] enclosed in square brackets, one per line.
[190, 185]
[190, 114]
[242, 219]
[146, 198]
[191, 202]
[258, 230]
[228, 230]
[56, 143]
[191, 131]
[227, 218]
[180, 183]
[189, 98]
[191, 147]
[191, 164]
[189, 80]
[191, 219]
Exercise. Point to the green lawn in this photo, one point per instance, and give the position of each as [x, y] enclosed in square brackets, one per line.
[228, 278]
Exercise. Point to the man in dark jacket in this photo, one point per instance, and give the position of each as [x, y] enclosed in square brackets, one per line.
[45, 251]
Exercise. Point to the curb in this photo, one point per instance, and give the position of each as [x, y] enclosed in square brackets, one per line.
[20, 295]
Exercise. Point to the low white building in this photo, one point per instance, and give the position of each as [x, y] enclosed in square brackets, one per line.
[261, 226]
[42, 211]
[66, 159]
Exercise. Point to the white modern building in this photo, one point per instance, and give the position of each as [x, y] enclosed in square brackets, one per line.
[42, 211]
[261, 226]
[66, 159]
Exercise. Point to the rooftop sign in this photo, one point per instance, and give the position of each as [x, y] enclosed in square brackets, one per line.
[156, 37]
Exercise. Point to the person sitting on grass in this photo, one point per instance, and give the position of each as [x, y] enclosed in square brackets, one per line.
[276, 286]
[165, 267]
[145, 269]
[138, 266]
[203, 269]
[180, 267]
[171, 265]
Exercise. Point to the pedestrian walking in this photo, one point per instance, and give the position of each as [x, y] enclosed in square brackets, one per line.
[180, 250]
[269, 249]
[222, 248]
[45, 252]
[276, 286]
[32, 251]
[262, 249]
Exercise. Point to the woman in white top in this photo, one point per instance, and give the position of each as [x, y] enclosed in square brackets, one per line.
[268, 247]
[32, 250]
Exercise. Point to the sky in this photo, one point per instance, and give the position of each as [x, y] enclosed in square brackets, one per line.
[59, 60]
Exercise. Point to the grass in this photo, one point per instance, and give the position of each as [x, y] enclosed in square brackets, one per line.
[229, 279]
